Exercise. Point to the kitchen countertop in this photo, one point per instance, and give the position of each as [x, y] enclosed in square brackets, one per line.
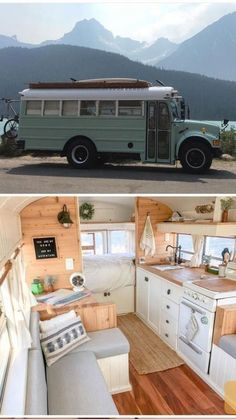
[178, 276]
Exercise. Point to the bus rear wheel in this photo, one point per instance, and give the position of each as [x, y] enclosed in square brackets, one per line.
[195, 158]
[81, 153]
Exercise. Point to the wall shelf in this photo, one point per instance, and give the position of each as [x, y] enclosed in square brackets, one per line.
[206, 229]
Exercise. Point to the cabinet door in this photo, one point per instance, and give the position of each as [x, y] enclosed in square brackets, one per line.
[154, 309]
[142, 293]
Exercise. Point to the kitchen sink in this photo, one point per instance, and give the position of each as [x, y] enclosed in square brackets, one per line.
[167, 267]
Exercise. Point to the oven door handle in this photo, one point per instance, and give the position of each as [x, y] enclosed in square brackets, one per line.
[190, 345]
[193, 307]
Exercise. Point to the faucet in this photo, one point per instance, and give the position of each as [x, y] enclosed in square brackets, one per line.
[178, 259]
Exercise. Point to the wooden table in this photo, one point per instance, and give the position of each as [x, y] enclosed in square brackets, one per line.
[95, 316]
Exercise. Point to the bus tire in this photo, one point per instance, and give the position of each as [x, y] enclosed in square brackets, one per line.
[81, 153]
[195, 157]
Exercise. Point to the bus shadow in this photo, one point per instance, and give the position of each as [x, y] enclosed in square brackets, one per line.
[111, 171]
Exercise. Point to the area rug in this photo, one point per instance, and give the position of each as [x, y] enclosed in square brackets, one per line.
[148, 353]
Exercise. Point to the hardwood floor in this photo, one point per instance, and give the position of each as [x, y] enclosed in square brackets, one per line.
[177, 391]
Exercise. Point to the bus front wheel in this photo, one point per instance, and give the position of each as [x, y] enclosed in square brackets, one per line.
[81, 153]
[195, 158]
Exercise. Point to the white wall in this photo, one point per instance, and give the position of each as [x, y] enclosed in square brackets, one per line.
[10, 234]
[110, 211]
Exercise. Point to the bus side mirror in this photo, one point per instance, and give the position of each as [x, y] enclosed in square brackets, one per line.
[182, 109]
[225, 121]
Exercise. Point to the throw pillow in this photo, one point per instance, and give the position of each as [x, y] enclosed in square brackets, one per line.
[66, 337]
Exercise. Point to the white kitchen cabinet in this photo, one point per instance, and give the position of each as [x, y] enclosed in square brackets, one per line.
[149, 298]
[171, 295]
[142, 285]
[158, 305]
[154, 304]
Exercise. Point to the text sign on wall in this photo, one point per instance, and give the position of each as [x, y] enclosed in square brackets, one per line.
[45, 247]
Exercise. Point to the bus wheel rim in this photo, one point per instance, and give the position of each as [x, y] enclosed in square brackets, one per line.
[80, 154]
[195, 158]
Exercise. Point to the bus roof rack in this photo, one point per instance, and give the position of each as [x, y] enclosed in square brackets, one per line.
[109, 83]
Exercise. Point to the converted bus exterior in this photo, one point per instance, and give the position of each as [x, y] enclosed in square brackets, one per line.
[130, 122]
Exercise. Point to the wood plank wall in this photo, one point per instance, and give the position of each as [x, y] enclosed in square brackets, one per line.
[225, 322]
[39, 219]
[158, 212]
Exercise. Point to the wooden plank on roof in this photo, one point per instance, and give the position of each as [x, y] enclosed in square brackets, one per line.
[93, 84]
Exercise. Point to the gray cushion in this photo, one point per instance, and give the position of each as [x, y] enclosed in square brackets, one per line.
[76, 387]
[34, 330]
[36, 392]
[228, 344]
[105, 343]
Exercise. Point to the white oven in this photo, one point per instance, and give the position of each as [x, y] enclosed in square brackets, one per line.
[196, 323]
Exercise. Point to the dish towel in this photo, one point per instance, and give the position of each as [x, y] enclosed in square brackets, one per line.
[192, 328]
[147, 242]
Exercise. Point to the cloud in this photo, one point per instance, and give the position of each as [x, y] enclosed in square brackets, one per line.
[145, 21]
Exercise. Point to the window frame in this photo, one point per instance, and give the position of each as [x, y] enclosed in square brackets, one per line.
[107, 233]
[204, 246]
[78, 114]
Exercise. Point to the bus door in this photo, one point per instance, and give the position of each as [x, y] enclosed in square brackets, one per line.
[158, 143]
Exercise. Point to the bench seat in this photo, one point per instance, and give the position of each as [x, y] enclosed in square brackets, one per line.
[228, 344]
[105, 343]
[76, 387]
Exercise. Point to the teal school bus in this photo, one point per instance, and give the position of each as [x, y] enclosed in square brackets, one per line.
[125, 118]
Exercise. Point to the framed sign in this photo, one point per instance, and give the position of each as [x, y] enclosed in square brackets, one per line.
[45, 247]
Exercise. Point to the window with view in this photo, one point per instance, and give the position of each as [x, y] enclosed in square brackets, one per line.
[186, 243]
[107, 241]
[213, 246]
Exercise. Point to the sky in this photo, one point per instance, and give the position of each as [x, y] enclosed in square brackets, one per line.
[144, 21]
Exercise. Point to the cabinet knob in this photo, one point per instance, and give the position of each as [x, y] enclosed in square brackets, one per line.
[166, 335]
[105, 294]
[168, 291]
[168, 307]
[146, 279]
[109, 294]
[167, 321]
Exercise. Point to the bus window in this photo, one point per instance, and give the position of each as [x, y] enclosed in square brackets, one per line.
[163, 116]
[51, 107]
[130, 108]
[107, 108]
[164, 126]
[33, 107]
[70, 108]
[88, 108]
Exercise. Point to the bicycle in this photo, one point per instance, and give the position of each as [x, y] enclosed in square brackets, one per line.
[11, 126]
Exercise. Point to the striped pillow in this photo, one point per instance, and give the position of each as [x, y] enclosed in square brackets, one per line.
[66, 337]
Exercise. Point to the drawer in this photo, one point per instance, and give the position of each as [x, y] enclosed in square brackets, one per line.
[172, 291]
[171, 308]
[169, 323]
[169, 335]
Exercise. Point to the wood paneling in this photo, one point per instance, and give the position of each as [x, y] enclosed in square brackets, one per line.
[178, 391]
[225, 322]
[39, 219]
[158, 212]
[95, 316]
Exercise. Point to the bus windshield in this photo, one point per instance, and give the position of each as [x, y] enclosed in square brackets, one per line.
[175, 109]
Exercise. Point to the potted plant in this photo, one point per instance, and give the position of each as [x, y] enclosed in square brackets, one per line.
[226, 204]
[37, 286]
[49, 281]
